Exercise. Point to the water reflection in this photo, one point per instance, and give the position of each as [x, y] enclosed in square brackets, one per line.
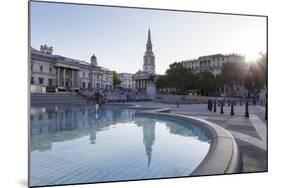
[57, 124]
[110, 143]
[148, 128]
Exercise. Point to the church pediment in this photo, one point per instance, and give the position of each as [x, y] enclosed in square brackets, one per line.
[141, 75]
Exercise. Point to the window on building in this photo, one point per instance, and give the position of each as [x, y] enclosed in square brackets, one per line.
[41, 68]
[89, 85]
[98, 85]
[32, 80]
[83, 84]
[50, 82]
[50, 70]
[41, 80]
[83, 74]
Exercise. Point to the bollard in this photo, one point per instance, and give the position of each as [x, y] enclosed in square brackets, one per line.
[208, 105]
[232, 109]
[222, 107]
[211, 105]
[246, 110]
[215, 106]
[265, 116]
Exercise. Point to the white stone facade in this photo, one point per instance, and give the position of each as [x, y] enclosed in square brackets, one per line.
[212, 63]
[127, 81]
[149, 58]
[62, 73]
[146, 76]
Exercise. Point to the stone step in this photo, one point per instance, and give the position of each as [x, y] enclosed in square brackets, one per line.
[56, 98]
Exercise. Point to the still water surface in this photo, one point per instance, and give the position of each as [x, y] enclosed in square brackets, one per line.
[81, 144]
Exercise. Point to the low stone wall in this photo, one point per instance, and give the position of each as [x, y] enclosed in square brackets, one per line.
[37, 89]
[173, 99]
[223, 157]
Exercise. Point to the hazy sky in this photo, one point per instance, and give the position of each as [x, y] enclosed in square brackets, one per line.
[117, 36]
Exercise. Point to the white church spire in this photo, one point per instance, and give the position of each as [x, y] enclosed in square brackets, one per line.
[148, 58]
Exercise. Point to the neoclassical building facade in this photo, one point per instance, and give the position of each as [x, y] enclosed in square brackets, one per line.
[212, 63]
[127, 81]
[146, 76]
[66, 74]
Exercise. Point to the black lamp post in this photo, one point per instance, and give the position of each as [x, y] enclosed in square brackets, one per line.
[232, 109]
[215, 106]
[246, 110]
[222, 103]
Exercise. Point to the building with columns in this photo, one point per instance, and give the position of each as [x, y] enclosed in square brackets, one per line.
[127, 81]
[146, 76]
[66, 74]
[212, 63]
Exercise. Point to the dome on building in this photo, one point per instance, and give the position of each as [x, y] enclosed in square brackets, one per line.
[94, 60]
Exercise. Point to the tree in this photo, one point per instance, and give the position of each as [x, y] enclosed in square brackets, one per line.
[205, 82]
[161, 82]
[257, 74]
[116, 79]
[179, 78]
[218, 82]
[233, 73]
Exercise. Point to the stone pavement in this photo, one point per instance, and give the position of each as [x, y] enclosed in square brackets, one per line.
[249, 133]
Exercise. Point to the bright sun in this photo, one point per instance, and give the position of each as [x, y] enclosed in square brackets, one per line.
[252, 56]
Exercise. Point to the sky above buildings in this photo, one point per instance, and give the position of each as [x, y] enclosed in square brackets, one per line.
[118, 36]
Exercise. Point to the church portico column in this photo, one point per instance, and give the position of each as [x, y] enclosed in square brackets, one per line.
[77, 79]
[145, 84]
[64, 77]
[72, 77]
[58, 77]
